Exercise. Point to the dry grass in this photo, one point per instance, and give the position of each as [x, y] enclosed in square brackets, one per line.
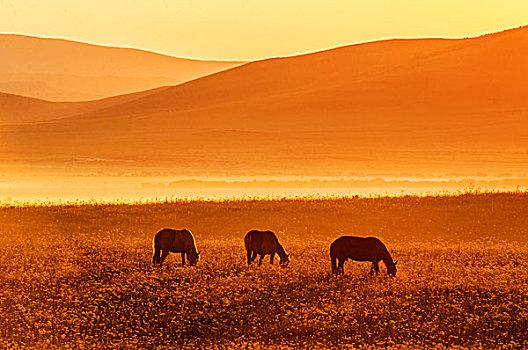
[80, 276]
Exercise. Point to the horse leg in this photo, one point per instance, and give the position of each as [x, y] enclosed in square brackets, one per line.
[163, 256]
[271, 258]
[253, 256]
[156, 257]
[249, 260]
[183, 259]
[340, 266]
[375, 268]
[333, 259]
[261, 258]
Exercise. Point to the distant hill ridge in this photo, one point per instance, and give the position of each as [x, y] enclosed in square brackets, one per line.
[71, 70]
[337, 79]
[439, 104]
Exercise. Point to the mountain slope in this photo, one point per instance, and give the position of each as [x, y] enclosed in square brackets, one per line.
[399, 106]
[486, 73]
[72, 71]
[16, 109]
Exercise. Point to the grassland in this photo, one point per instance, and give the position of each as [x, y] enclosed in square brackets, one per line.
[79, 276]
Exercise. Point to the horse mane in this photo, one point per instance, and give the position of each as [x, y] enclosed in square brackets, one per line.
[193, 239]
[281, 252]
[386, 257]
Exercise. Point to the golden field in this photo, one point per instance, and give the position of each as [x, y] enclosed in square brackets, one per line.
[80, 276]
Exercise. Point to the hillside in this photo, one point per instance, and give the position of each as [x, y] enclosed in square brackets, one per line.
[63, 70]
[15, 109]
[422, 106]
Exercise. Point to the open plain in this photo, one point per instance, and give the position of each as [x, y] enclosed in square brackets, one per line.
[80, 276]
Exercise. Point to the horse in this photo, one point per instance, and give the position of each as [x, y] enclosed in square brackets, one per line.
[360, 249]
[176, 241]
[262, 243]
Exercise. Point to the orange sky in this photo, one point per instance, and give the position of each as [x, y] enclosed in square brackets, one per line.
[250, 29]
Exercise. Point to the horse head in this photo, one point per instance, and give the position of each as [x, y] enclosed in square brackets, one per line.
[391, 269]
[285, 261]
[194, 257]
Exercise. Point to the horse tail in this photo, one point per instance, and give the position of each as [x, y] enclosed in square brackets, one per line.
[333, 259]
[248, 243]
[156, 249]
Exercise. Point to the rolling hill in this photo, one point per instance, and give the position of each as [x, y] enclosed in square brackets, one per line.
[63, 70]
[417, 106]
[16, 109]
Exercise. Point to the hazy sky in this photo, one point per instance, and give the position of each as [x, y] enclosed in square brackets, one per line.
[251, 29]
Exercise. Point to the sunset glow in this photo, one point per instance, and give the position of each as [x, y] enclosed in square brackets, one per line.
[241, 174]
[249, 30]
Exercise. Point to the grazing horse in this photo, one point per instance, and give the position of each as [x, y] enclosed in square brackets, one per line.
[262, 243]
[176, 241]
[360, 249]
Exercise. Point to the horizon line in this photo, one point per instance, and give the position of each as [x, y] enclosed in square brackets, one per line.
[265, 57]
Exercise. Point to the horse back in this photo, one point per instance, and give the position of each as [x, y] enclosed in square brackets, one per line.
[175, 240]
[358, 248]
[261, 241]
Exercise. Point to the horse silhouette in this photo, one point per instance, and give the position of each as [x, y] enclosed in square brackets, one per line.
[360, 249]
[176, 241]
[262, 243]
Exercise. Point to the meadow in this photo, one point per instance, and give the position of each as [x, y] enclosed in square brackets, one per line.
[79, 276]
